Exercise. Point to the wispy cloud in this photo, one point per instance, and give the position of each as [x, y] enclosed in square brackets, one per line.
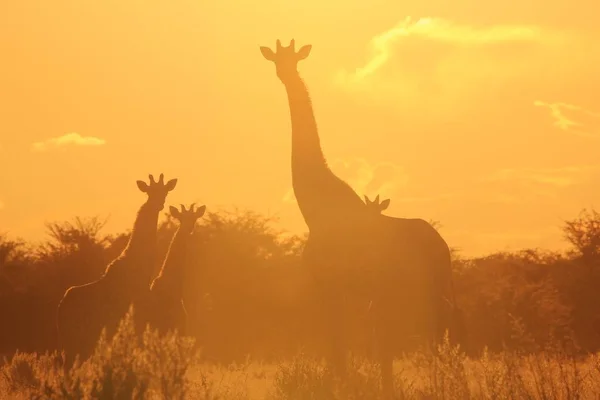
[370, 179]
[430, 199]
[561, 177]
[70, 139]
[505, 185]
[365, 178]
[573, 122]
[508, 239]
[441, 30]
[438, 61]
[523, 185]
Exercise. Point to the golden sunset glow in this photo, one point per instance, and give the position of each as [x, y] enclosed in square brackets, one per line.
[485, 117]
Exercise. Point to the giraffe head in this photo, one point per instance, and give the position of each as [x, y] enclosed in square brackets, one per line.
[157, 191]
[187, 218]
[376, 206]
[286, 58]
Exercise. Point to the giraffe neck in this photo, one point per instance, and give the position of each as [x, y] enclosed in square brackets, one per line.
[141, 248]
[306, 145]
[319, 192]
[171, 275]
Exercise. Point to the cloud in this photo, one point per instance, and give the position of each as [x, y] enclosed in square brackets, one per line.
[506, 239]
[437, 29]
[573, 122]
[487, 209]
[532, 185]
[434, 60]
[366, 179]
[559, 177]
[70, 139]
[429, 199]
[503, 186]
[509, 206]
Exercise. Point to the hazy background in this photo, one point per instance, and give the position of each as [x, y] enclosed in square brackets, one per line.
[485, 117]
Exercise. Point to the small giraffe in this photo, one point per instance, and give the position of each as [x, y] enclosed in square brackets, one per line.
[86, 309]
[376, 206]
[168, 311]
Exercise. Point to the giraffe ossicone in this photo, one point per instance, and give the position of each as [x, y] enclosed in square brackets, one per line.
[286, 58]
[183, 214]
[377, 205]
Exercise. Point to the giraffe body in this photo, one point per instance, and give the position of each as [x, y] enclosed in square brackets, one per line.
[166, 291]
[402, 265]
[86, 309]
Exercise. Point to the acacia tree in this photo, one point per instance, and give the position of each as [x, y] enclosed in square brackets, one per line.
[76, 252]
[583, 233]
[66, 237]
[14, 259]
[12, 251]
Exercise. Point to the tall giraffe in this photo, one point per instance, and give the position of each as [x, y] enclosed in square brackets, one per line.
[166, 291]
[324, 199]
[405, 262]
[86, 309]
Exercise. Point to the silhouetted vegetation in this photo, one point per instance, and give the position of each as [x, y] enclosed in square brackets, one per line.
[247, 293]
[531, 316]
[127, 366]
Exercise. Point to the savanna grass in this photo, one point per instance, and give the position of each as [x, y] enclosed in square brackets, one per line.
[168, 367]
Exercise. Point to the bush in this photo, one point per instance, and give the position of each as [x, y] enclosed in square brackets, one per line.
[247, 292]
[124, 367]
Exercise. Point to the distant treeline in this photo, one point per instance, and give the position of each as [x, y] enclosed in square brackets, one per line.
[248, 294]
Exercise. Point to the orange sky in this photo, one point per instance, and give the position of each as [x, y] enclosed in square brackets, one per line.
[482, 115]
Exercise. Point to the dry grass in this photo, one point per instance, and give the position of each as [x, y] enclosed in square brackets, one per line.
[153, 367]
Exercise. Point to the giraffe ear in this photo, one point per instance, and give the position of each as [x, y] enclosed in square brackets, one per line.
[143, 186]
[267, 53]
[304, 52]
[174, 212]
[384, 204]
[200, 211]
[171, 184]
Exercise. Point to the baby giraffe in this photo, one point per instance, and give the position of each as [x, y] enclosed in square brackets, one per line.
[376, 206]
[166, 290]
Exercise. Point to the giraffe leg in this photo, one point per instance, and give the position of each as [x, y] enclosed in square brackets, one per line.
[183, 319]
[387, 377]
[443, 320]
[337, 355]
[386, 361]
[333, 333]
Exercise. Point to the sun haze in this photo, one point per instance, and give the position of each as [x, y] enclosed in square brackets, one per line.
[485, 117]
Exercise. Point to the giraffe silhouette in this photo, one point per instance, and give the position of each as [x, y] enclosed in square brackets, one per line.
[166, 292]
[86, 309]
[403, 264]
[376, 205]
